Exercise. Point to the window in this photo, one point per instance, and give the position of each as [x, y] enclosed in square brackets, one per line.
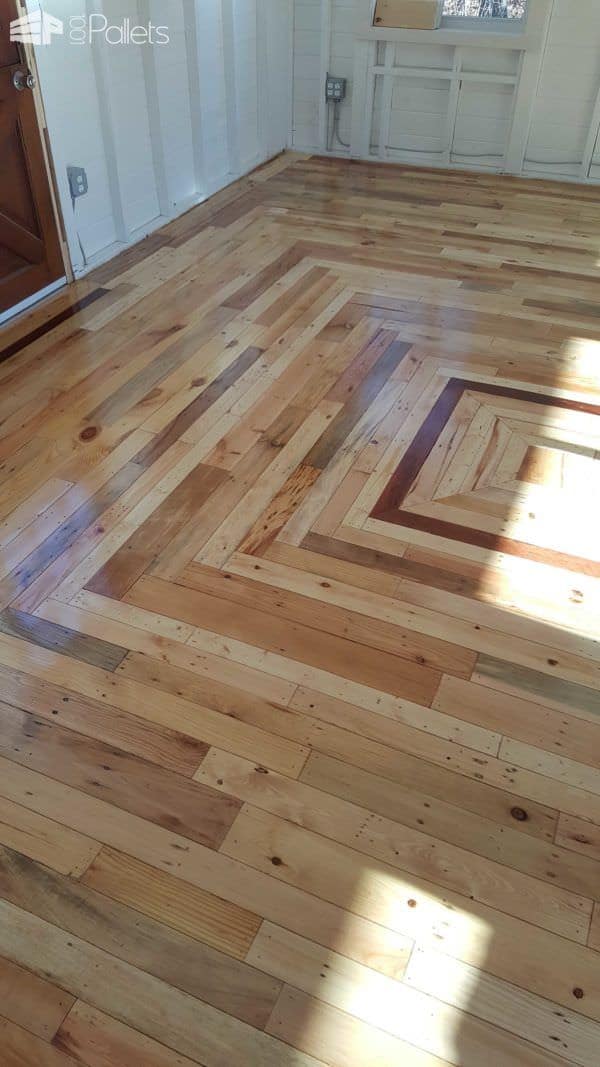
[486, 9]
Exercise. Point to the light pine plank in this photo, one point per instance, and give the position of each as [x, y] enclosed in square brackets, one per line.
[186, 964]
[430, 861]
[317, 1028]
[44, 839]
[138, 999]
[179, 904]
[209, 870]
[401, 1009]
[296, 525]
[534, 1019]
[385, 896]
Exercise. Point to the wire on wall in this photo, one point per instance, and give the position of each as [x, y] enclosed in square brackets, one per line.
[85, 259]
[336, 126]
[333, 128]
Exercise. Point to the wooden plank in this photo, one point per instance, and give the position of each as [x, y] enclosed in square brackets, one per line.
[32, 1002]
[48, 635]
[562, 913]
[140, 700]
[100, 770]
[308, 748]
[505, 841]
[411, 848]
[136, 998]
[187, 908]
[179, 961]
[579, 835]
[44, 839]
[340, 1037]
[412, 851]
[20, 1047]
[60, 540]
[245, 587]
[154, 535]
[197, 407]
[105, 1042]
[524, 720]
[305, 860]
[161, 745]
[473, 636]
[295, 640]
[433, 1024]
[521, 681]
[209, 870]
[534, 1019]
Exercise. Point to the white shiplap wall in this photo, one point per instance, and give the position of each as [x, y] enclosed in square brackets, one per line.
[564, 102]
[159, 129]
[568, 89]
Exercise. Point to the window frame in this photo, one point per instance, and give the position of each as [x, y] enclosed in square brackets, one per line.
[477, 22]
[525, 34]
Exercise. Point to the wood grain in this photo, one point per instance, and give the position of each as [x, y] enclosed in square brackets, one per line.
[299, 662]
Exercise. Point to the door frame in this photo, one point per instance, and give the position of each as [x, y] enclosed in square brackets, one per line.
[29, 60]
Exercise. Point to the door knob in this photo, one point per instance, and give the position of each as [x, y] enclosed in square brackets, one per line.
[23, 79]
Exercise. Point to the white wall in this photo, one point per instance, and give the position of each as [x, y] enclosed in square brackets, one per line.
[567, 91]
[160, 128]
[559, 104]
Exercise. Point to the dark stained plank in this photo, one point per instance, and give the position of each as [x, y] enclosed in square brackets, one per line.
[418, 450]
[51, 324]
[61, 639]
[492, 542]
[388, 507]
[169, 800]
[154, 535]
[65, 535]
[150, 946]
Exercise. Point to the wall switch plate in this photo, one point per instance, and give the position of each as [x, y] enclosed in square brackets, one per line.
[78, 182]
[335, 88]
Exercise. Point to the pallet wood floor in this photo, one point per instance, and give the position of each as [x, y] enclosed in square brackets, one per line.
[299, 660]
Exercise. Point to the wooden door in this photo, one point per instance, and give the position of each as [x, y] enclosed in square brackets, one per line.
[30, 256]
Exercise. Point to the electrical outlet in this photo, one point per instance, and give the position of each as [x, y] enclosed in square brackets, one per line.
[78, 182]
[335, 88]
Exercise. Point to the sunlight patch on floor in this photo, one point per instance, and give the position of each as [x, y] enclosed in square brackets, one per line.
[406, 1009]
